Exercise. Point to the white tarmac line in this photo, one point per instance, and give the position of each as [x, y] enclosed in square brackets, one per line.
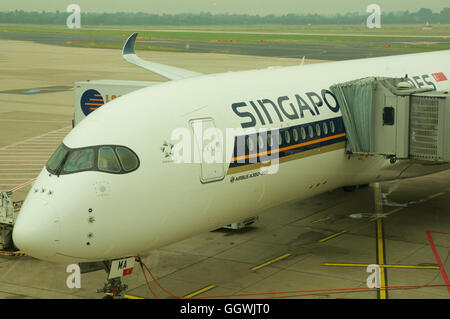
[33, 138]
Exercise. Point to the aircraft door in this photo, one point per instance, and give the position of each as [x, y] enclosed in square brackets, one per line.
[208, 150]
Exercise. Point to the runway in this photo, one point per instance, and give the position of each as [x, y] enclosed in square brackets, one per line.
[378, 35]
[317, 248]
[318, 46]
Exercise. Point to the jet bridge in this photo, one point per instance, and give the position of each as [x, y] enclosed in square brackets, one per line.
[388, 116]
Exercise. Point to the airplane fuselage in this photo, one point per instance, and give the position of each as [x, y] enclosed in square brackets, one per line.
[93, 215]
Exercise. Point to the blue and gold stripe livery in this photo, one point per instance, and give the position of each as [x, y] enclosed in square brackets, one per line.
[287, 144]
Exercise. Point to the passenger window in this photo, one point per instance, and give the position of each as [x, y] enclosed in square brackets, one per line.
[261, 142]
[128, 160]
[250, 143]
[310, 131]
[269, 140]
[318, 130]
[287, 137]
[295, 134]
[325, 128]
[303, 133]
[107, 160]
[333, 129]
[280, 139]
[80, 160]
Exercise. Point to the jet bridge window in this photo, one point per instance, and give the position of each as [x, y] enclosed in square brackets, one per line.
[388, 116]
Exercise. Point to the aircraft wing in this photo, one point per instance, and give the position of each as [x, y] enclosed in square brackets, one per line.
[167, 71]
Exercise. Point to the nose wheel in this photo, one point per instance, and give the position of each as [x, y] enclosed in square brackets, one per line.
[113, 288]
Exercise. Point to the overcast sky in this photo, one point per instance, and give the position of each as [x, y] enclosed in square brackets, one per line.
[261, 7]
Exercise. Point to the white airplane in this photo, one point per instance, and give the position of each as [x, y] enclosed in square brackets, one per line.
[114, 188]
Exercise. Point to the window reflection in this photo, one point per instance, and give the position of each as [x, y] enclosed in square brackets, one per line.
[128, 160]
[79, 160]
[107, 160]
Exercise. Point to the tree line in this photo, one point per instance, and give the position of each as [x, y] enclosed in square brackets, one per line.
[422, 16]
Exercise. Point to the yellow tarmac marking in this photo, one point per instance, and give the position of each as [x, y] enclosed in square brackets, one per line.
[126, 296]
[271, 261]
[378, 199]
[387, 214]
[198, 292]
[380, 246]
[381, 266]
[380, 241]
[332, 236]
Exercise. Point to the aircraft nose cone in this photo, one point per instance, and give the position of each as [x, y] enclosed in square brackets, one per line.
[36, 231]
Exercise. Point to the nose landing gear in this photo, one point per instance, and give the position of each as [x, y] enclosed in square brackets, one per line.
[116, 269]
[114, 289]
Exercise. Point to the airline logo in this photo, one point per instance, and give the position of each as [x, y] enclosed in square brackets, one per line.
[439, 77]
[90, 101]
[284, 107]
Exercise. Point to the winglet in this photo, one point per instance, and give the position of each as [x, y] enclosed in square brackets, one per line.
[169, 72]
[130, 45]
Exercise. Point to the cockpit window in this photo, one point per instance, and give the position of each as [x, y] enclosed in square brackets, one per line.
[55, 161]
[79, 160]
[128, 160]
[113, 159]
[107, 160]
